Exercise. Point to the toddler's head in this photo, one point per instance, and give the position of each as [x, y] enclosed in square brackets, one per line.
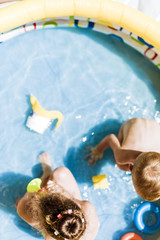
[146, 176]
[58, 216]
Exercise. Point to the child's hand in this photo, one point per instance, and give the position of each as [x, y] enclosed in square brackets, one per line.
[93, 156]
[51, 186]
[45, 159]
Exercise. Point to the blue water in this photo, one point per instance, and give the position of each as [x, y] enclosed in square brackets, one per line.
[97, 82]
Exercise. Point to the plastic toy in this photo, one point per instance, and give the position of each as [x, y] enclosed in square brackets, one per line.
[34, 185]
[100, 181]
[138, 217]
[40, 119]
[131, 236]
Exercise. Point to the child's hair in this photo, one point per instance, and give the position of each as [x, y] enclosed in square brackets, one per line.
[146, 176]
[58, 216]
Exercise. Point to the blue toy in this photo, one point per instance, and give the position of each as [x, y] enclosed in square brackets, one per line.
[139, 214]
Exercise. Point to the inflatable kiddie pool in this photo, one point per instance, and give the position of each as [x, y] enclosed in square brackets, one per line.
[124, 25]
[110, 17]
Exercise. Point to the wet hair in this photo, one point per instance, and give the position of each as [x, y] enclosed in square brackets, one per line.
[146, 176]
[58, 216]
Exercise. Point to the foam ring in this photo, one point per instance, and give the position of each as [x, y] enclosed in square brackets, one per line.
[139, 214]
[131, 236]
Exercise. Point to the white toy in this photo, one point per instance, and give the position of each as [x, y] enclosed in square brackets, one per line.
[40, 119]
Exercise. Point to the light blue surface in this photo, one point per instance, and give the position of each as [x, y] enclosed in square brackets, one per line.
[97, 82]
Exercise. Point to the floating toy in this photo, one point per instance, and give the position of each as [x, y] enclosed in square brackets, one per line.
[34, 185]
[139, 214]
[100, 181]
[131, 236]
[40, 119]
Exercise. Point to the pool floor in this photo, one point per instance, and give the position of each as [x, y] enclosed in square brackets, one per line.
[97, 82]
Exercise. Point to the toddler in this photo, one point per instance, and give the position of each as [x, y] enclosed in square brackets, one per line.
[136, 149]
[57, 209]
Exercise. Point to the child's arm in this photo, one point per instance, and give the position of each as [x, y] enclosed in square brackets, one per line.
[125, 158]
[126, 167]
[46, 163]
[91, 220]
[65, 179]
[97, 152]
[109, 141]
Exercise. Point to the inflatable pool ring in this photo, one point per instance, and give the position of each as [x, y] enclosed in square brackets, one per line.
[131, 236]
[138, 217]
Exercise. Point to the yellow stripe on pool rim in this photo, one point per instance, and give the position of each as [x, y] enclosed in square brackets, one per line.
[109, 11]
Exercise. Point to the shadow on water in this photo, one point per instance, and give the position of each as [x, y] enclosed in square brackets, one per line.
[128, 215]
[12, 187]
[28, 111]
[74, 158]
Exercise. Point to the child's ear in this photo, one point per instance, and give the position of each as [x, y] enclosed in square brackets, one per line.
[131, 167]
[48, 219]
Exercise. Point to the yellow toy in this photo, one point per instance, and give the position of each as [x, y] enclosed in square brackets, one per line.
[40, 119]
[100, 181]
[34, 185]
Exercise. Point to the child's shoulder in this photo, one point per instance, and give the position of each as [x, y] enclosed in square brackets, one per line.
[141, 120]
[25, 210]
[91, 220]
[140, 123]
[90, 212]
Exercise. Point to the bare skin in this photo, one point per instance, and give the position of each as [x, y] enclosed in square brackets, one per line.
[136, 136]
[64, 183]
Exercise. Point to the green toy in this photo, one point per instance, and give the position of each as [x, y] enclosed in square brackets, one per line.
[34, 185]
